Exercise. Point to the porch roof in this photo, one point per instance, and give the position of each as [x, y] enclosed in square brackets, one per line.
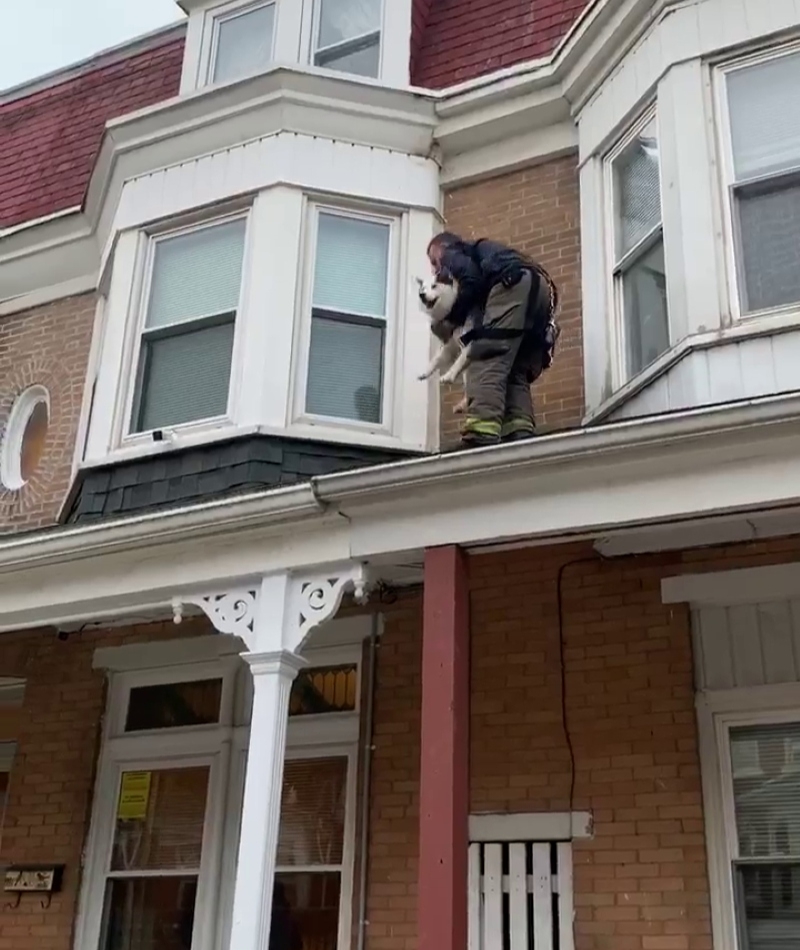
[591, 483]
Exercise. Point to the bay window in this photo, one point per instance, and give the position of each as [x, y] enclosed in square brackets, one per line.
[186, 344]
[347, 36]
[763, 159]
[350, 317]
[639, 275]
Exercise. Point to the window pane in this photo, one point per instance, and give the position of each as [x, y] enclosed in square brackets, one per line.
[307, 907]
[33, 440]
[197, 274]
[324, 690]
[362, 59]
[351, 265]
[160, 817]
[244, 43]
[312, 813]
[765, 116]
[170, 705]
[345, 369]
[185, 377]
[769, 906]
[638, 190]
[766, 789]
[155, 913]
[769, 230]
[644, 291]
[341, 20]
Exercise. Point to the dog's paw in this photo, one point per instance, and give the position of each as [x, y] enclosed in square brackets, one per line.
[460, 407]
[447, 378]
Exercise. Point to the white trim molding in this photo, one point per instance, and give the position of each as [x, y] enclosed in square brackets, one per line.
[748, 585]
[533, 826]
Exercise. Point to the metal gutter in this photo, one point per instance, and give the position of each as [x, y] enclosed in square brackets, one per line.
[382, 483]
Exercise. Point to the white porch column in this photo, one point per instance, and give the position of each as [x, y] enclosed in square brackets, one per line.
[273, 674]
[273, 615]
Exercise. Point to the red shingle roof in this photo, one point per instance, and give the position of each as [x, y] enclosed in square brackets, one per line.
[49, 140]
[463, 39]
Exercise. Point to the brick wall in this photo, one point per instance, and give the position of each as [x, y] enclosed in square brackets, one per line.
[48, 346]
[49, 800]
[537, 210]
[640, 883]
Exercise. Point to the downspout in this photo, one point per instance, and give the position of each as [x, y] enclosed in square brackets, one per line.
[377, 623]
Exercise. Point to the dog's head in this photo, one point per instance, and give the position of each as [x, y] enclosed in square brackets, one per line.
[437, 295]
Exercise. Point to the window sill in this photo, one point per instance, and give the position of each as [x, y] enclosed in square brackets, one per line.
[764, 323]
[192, 439]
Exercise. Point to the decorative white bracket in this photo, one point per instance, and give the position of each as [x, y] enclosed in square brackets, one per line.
[279, 611]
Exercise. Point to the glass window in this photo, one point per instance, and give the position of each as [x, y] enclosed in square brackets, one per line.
[243, 42]
[151, 884]
[348, 36]
[187, 343]
[348, 319]
[322, 690]
[171, 705]
[311, 849]
[639, 273]
[764, 120]
[766, 793]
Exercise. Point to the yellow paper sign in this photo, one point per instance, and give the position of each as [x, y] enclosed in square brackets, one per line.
[134, 796]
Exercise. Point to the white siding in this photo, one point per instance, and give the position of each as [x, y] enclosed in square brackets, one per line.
[747, 645]
[684, 32]
[745, 369]
[319, 165]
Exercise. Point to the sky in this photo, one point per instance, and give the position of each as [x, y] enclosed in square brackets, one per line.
[38, 36]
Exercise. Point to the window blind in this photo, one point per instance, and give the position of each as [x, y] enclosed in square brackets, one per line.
[638, 188]
[342, 20]
[244, 43]
[351, 266]
[766, 789]
[197, 274]
[764, 108]
[186, 377]
[345, 369]
[312, 813]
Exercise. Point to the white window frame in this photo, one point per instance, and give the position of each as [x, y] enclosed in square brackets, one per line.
[155, 750]
[127, 393]
[616, 269]
[729, 185]
[303, 319]
[718, 712]
[312, 16]
[212, 20]
[224, 746]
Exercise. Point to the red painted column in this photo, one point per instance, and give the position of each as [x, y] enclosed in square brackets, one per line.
[444, 765]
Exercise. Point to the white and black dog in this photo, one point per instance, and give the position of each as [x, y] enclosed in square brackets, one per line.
[452, 359]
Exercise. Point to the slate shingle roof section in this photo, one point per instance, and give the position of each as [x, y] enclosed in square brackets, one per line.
[49, 140]
[218, 470]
